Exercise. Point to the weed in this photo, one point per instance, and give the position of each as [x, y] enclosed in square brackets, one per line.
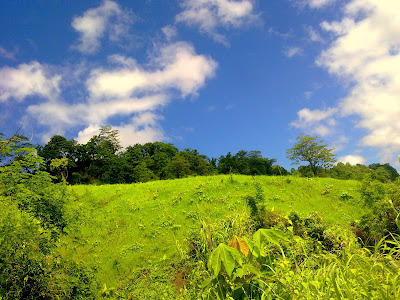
[192, 215]
[345, 196]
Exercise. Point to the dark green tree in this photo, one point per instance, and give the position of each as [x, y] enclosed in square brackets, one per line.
[143, 174]
[59, 148]
[392, 171]
[310, 149]
[246, 162]
[199, 164]
[178, 167]
[226, 164]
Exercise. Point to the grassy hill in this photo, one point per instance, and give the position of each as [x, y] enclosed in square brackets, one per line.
[135, 238]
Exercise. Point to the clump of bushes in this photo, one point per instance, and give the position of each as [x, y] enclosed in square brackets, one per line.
[382, 203]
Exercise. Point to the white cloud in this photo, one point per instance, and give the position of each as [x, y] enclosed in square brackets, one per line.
[170, 32]
[366, 53]
[208, 15]
[272, 31]
[107, 19]
[307, 116]
[128, 89]
[177, 67]
[7, 54]
[319, 3]
[314, 35]
[292, 51]
[315, 3]
[320, 122]
[352, 159]
[339, 28]
[28, 80]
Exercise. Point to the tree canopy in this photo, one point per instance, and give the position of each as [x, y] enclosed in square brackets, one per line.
[312, 150]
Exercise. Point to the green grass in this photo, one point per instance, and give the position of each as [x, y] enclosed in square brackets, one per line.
[126, 232]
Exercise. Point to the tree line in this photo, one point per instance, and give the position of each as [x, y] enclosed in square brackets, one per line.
[102, 160]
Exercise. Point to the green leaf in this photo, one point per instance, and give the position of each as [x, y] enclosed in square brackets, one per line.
[206, 283]
[224, 256]
[270, 236]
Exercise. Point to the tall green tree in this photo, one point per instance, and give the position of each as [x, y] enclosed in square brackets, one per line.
[58, 150]
[105, 144]
[312, 150]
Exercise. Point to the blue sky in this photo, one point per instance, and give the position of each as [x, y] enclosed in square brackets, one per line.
[213, 75]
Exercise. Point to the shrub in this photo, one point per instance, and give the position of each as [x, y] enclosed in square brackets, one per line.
[383, 218]
[372, 191]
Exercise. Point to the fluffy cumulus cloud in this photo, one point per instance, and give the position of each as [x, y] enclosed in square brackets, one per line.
[176, 67]
[107, 19]
[320, 122]
[365, 53]
[352, 159]
[27, 80]
[128, 89]
[208, 15]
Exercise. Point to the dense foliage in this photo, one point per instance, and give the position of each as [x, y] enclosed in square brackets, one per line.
[31, 221]
[102, 160]
[379, 172]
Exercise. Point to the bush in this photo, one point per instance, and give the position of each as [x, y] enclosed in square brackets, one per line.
[29, 268]
[31, 219]
[383, 218]
[372, 191]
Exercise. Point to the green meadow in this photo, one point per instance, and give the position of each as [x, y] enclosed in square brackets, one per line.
[134, 238]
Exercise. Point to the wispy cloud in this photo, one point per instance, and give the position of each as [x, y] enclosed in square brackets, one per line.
[107, 19]
[211, 108]
[292, 51]
[209, 15]
[272, 31]
[7, 54]
[315, 4]
[314, 35]
[170, 32]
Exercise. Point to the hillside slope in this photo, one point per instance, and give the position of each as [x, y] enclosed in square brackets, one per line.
[135, 236]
